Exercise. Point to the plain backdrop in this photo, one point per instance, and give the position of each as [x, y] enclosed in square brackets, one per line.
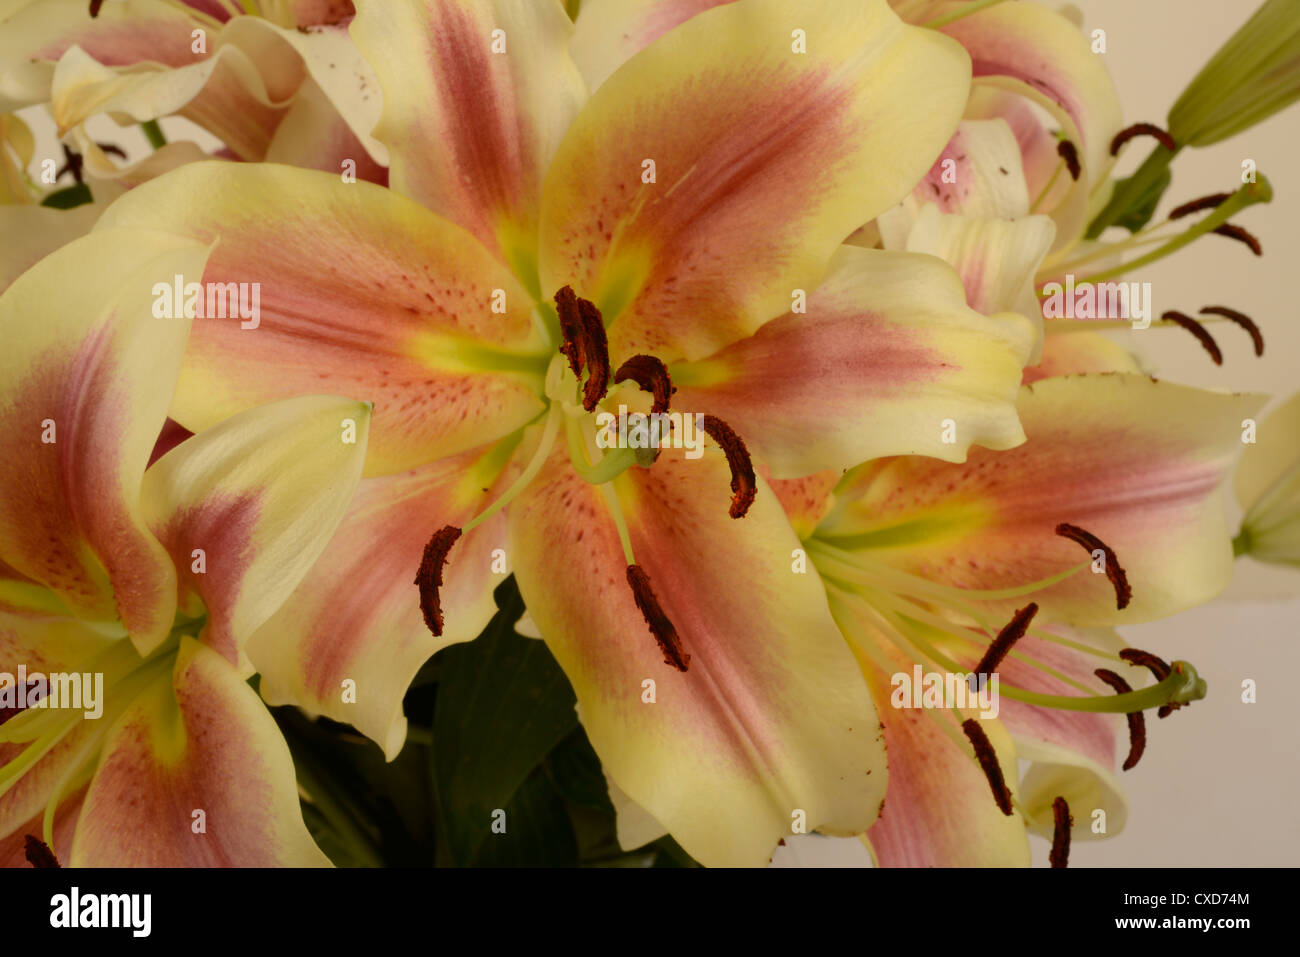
[1219, 780]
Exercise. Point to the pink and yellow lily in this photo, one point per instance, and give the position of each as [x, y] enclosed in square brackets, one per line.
[146, 584]
[694, 206]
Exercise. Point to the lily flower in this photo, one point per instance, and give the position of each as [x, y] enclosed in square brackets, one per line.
[1267, 486]
[128, 734]
[686, 221]
[284, 84]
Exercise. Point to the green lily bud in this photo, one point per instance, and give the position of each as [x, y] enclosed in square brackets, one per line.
[1255, 74]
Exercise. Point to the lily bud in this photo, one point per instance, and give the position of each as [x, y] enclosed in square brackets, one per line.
[1268, 488]
[1255, 74]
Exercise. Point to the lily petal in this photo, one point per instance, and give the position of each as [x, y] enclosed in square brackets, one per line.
[356, 617]
[1069, 352]
[719, 169]
[608, 33]
[362, 293]
[477, 94]
[30, 233]
[1267, 486]
[1140, 464]
[85, 380]
[198, 740]
[890, 347]
[938, 811]
[246, 507]
[771, 719]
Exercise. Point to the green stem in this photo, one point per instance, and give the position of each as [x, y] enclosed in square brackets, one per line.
[153, 132]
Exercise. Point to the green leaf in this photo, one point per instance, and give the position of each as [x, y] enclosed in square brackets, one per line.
[537, 831]
[69, 197]
[502, 705]
[575, 769]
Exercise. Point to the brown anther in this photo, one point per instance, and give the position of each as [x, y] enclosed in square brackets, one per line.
[1114, 571]
[1212, 201]
[38, 852]
[1137, 725]
[1240, 235]
[988, 760]
[744, 486]
[429, 577]
[1012, 632]
[1158, 667]
[1241, 319]
[1142, 129]
[653, 612]
[94, 7]
[1196, 329]
[1065, 149]
[1062, 822]
[652, 376]
[585, 344]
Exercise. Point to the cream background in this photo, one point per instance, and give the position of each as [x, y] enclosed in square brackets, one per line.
[1219, 780]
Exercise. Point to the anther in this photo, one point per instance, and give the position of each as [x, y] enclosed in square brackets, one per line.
[38, 852]
[1196, 329]
[1062, 822]
[1158, 667]
[429, 577]
[988, 760]
[652, 376]
[1241, 236]
[1012, 632]
[662, 629]
[1065, 149]
[1137, 725]
[1241, 319]
[94, 7]
[1213, 201]
[585, 344]
[744, 486]
[1114, 571]
[1142, 129]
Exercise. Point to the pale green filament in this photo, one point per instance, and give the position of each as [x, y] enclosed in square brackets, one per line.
[550, 430]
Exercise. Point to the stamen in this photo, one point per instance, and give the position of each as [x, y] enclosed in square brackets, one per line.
[585, 344]
[1142, 129]
[988, 760]
[1158, 667]
[744, 486]
[1241, 319]
[94, 7]
[429, 577]
[1063, 821]
[1242, 236]
[660, 626]
[1008, 636]
[1065, 149]
[38, 852]
[1137, 725]
[1196, 329]
[652, 376]
[1212, 201]
[1114, 571]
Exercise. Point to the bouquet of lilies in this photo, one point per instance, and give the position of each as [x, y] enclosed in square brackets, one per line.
[608, 431]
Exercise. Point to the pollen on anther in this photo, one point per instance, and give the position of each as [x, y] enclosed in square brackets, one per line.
[1241, 235]
[1213, 201]
[1066, 150]
[1241, 319]
[652, 376]
[1062, 821]
[988, 761]
[429, 575]
[1114, 571]
[1142, 129]
[744, 484]
[1012, 632]
[660, 625]
[1158, 667]
[38, 852]
[1137, 725]
[1195, 328]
